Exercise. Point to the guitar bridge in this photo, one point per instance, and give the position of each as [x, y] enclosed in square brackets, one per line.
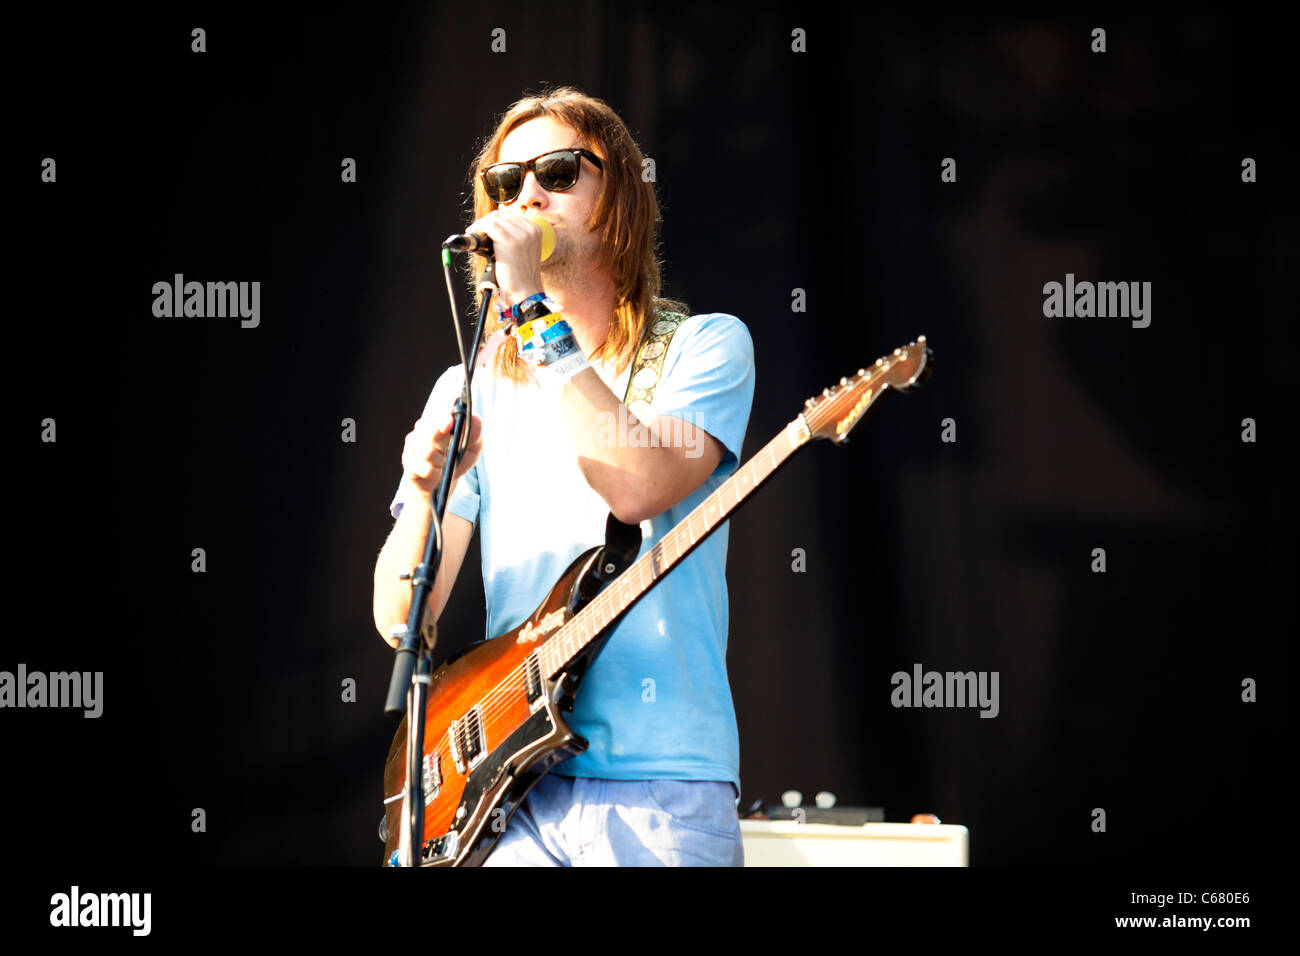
[468, 742]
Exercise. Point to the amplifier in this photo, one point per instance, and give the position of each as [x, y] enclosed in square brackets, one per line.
[788, 843]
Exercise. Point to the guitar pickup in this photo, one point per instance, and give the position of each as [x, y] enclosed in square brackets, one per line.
[533, 681]
[432, 776]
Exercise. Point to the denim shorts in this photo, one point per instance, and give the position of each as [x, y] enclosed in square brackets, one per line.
[589, 821]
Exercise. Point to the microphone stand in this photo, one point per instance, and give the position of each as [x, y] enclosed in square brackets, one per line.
[414, 659]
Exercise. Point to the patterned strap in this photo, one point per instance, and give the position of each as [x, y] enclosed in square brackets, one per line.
[650, 361]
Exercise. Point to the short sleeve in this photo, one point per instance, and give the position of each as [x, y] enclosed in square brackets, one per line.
[465, 497]
[708, 380]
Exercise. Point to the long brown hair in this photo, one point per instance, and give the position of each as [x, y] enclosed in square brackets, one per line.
[626, 210]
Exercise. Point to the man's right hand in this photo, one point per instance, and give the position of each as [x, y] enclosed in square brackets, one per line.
[425, 452]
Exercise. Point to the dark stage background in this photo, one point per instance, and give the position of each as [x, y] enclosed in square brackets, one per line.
[778, 170]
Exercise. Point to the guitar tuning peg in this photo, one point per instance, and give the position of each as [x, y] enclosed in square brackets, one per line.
[844, 381]
[920, 340]
[826, 392]
[898, 351]
[862, 371]
[880, 361]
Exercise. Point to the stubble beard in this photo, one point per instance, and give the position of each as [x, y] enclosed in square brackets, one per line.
[571, 264]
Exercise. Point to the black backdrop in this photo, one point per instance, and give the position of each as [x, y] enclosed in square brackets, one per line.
[778, 170]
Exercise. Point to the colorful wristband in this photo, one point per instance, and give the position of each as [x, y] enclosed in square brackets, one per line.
[518, 310]
[548, 343]
[512, 313]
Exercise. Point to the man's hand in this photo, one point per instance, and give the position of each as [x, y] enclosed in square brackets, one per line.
[425, 452]
[517, 248]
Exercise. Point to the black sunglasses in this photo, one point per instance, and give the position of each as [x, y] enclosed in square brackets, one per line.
[555, 173]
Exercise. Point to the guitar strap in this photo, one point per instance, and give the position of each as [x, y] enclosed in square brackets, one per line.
[649, 361]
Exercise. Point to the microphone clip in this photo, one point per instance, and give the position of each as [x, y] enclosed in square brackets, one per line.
[469, 242]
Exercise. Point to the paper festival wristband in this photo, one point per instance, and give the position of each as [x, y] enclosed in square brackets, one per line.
[548, 343]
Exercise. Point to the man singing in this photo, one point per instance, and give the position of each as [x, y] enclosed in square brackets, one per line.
[553, 450]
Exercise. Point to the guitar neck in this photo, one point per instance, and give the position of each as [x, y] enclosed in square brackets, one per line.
[565, 644]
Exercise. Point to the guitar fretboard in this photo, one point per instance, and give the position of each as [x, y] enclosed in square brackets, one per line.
[668, 551]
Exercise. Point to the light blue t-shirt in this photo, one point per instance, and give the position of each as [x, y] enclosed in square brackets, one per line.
[655, 703]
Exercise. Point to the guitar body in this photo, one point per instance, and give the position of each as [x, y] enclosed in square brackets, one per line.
[489, 738]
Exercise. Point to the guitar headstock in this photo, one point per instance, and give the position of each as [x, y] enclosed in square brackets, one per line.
[834, 412]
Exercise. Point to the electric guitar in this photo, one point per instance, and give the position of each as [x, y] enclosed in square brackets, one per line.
[494, 721]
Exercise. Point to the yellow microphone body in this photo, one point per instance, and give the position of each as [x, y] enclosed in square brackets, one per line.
[548, 234]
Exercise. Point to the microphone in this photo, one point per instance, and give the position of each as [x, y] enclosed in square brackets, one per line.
[478, 242]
